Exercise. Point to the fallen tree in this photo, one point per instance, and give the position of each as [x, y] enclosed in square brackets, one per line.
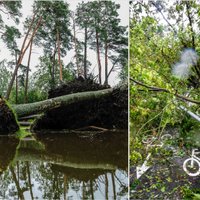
[108, 112]
[42, 106]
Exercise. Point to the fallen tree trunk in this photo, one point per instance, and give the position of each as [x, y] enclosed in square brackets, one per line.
[42, 106]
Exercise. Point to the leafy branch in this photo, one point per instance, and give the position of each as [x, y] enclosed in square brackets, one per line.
[158, 89]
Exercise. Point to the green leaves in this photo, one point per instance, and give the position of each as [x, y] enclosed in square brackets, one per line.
[10, 36]
[56, 16]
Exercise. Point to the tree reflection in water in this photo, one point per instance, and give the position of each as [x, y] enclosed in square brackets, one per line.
[41, 171]
[44, 181]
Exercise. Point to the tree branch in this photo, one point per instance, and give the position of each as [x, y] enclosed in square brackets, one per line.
[157, 89]
[188, 6]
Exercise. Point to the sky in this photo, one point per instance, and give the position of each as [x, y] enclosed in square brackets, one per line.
[37, 52]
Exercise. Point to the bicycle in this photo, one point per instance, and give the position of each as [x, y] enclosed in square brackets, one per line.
[192, 165]
[151, 142]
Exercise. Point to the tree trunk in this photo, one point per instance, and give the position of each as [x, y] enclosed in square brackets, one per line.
[98, 55]
[106, 63]
[29, 180]
[188, 9]
[52, 68]
[23, 51]
[59, 61]
[85, 54]
[16, 84]
[16, 89]
[114, 186]
[19, 190]
[37, 107]
[106, 187]
[76, 49]
[27, 74]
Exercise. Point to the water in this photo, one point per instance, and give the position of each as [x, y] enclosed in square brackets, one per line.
[64, 166]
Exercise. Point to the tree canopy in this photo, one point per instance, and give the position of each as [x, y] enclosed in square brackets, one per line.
[57, 32]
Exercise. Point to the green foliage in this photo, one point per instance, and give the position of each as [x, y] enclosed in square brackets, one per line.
[10, 36]
[10, 33]
[12, 8]
[190, 194]
[4, 78]
[42, 78]
[157, 39]
[101, 18]
[137, 149]
[153, 51]
[56, 17]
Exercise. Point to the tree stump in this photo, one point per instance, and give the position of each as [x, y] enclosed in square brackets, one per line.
[8, 124]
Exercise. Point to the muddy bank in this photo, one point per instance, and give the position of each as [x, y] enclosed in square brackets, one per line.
[107, 112]
[8, 124]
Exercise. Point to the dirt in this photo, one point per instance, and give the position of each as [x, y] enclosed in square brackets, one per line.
[8, 124]
[77, 85]
[109, 112]
[166, 179]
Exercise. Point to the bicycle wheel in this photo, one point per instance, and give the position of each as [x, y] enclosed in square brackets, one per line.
[166, 137]
[192, 167]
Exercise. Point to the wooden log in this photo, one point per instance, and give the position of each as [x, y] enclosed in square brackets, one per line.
[41, 106]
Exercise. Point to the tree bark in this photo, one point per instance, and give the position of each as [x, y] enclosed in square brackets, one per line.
[85, 54]
[37, 107]
[106, 63]
[23, 51]
[98, 55]
[27, 74]
[188, 8]
[59, 60]
[16, 83]
[52, 67]
[16, 89]
[79, 71]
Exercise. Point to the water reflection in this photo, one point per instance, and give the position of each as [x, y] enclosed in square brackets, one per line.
[66, 167]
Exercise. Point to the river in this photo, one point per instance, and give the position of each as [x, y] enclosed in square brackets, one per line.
[64, 166]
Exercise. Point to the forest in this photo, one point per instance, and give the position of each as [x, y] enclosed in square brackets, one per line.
[164, 99]
[55, 30]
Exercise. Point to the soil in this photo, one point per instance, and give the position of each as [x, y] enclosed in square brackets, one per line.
[8, 123]
[109, 112]
[77, 85]
[166, 179]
